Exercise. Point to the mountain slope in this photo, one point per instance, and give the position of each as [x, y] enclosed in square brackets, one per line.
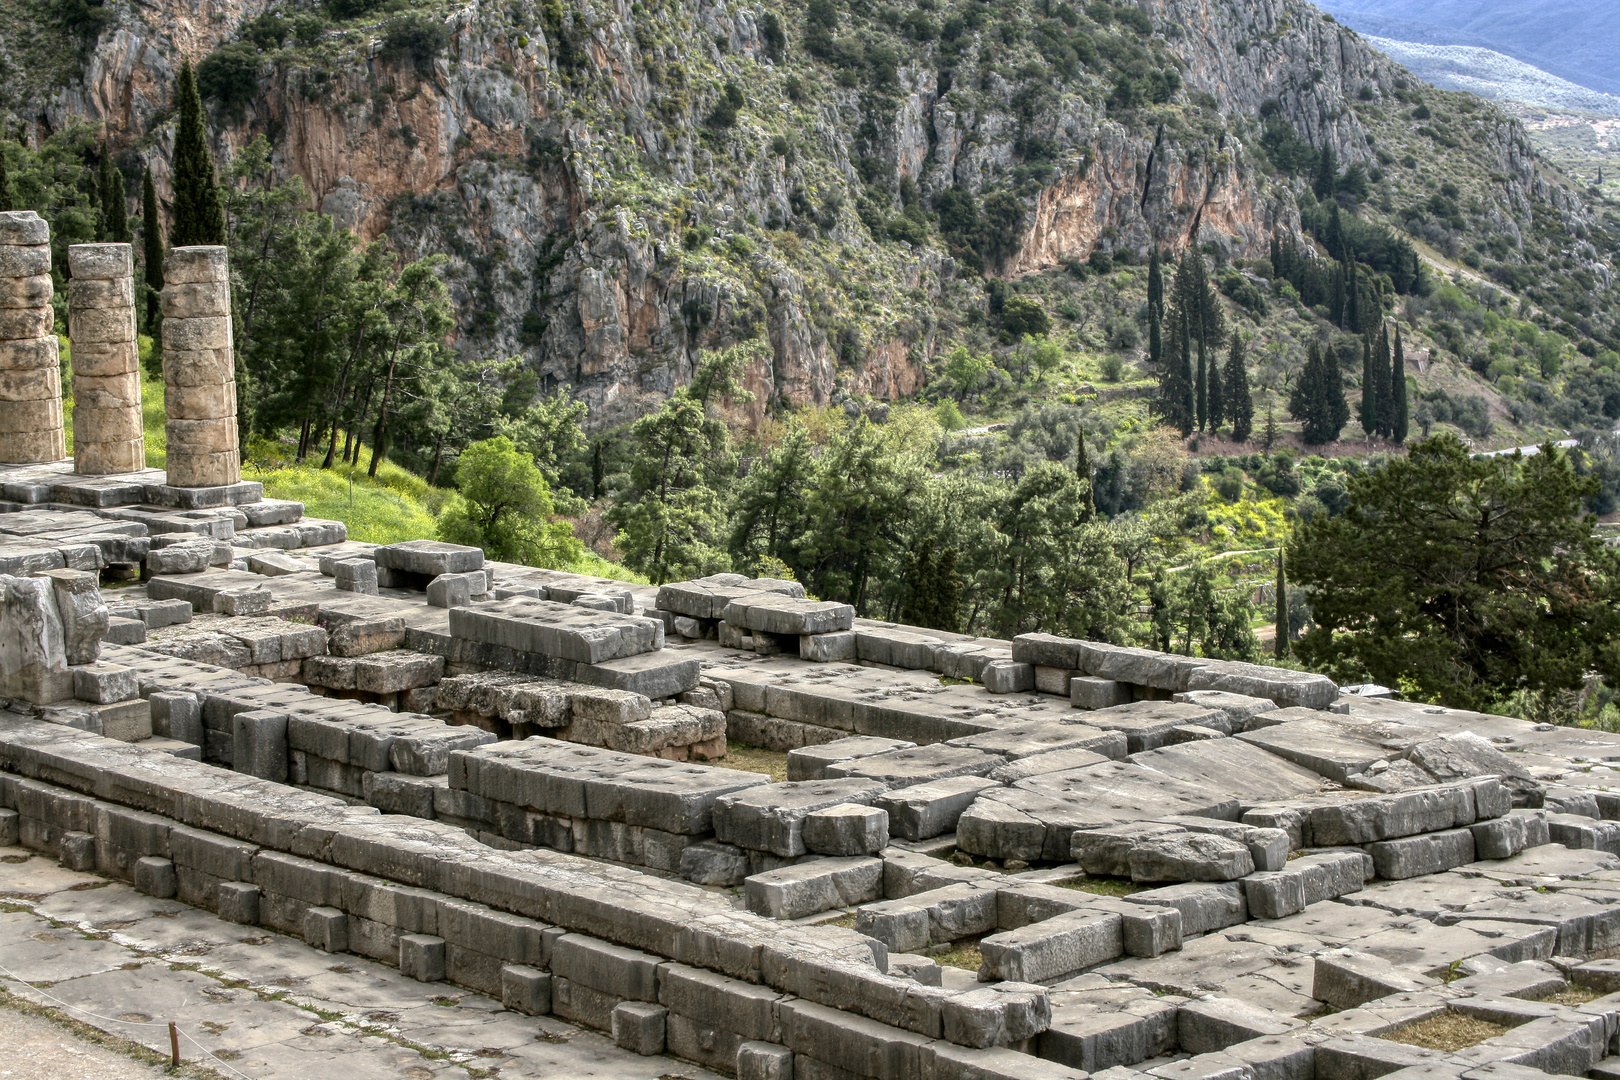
[620, 185]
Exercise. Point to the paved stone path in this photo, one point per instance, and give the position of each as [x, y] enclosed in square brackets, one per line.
[265, 1005]
[39, 1049]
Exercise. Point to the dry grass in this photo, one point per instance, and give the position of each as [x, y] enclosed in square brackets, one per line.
[1449, 1032]
[965, 956]
[1105, 886]
[1573, 995]
[746, 758]
[847, 922]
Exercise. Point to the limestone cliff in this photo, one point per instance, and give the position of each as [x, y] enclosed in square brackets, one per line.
[605, 221]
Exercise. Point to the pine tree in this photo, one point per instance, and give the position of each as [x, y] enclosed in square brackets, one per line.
[1082, 469]
[114, 205]
[1368, 415]
[198, 213]
[1282, 607]
[1217, 398]
[1239, 403]
[1397, 385]
[8, 199]
[152, 245]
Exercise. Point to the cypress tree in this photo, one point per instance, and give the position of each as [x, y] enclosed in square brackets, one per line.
[1269, 433]
[198, 212]
[152, 250]
[1184, 377]
[1239, 403]
[1217, 398]
[1282, 607]
[1201, 387]
[1155, 337]
[1327, 173]
[1155, 282]
[8, 199]
[1334, 405]
[115, 207]
[1276, 257]
[598, 473]
[1381, 372]
[1368, 415]
[1155, 309]
[1351, 319]
[1397, 389]
[1082, 470]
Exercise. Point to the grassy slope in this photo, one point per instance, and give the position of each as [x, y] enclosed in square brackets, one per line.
[396, 505]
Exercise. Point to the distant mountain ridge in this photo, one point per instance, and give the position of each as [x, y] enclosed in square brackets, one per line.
[1495, 75]
[1579, 42]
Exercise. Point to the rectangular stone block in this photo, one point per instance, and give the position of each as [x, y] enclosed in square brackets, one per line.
[794, 892]
[638, 1026]
[154, 876]
[1090, 692]
[237, 902]
[104, 683]
[924, 811]
[1057, 947]
[526, 989]
[327, 929]
[421, 957]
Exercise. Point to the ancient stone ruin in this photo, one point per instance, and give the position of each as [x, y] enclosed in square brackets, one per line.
[1028, 859]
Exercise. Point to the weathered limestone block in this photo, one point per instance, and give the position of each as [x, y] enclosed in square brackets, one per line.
[83, 613]
[198, 356]
[107, 435]
[33, 663]
[31, 427]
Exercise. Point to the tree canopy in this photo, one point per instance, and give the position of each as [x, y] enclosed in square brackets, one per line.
[1461, 580]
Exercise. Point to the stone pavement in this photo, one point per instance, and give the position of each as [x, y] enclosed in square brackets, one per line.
[264, 1004]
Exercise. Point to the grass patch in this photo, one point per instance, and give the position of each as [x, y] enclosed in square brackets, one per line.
[1572, 995]
[746, 758]
[376, 511]
[847, 922]
[1105, 886]
[965, 956]
[1449, 1032]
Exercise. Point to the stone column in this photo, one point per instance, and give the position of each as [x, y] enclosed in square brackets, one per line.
[30, 371]
[106, 360]
[199, 369]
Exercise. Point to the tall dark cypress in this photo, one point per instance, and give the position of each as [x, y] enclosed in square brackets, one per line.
[1368, 415]
[1351, 316]
[1282, 606]
[1239, 403]
[1185, 377]
[198, 214]
[1155, 281]
[8, 199]
[1155, 309]
[1082, 471]
[1217, 397]
[1397, 391]
[1201, 386]
[1381, 372]
[114, 204]
[152, 249]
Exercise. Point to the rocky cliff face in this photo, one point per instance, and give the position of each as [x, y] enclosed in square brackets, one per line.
[606, 224]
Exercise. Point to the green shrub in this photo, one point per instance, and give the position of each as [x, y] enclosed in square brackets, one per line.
[230, 76]
[417, 38]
